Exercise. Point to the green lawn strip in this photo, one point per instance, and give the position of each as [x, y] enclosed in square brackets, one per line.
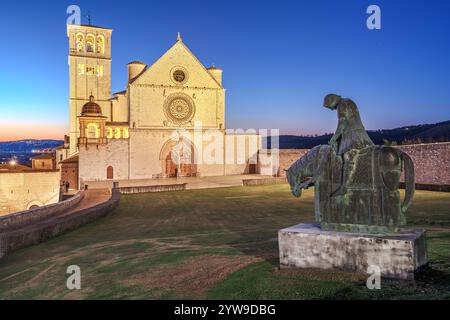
[262, 281]
[149, 231]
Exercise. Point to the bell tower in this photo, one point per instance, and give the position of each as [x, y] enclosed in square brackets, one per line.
[89, 72]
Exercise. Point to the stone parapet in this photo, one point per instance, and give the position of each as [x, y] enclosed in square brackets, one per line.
[264, 181]
[21, 219]
[32, 234]
[155, 188]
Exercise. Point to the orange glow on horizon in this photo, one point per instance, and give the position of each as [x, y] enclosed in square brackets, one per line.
[20, 131]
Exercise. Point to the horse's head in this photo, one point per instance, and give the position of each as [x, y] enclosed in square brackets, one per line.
[294, 182]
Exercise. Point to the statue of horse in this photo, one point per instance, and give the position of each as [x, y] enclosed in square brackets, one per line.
[309, 166]
[372, 199]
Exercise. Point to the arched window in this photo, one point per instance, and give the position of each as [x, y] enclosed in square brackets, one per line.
[99, 71]
[90, 43]
[109, 133]
[109, 172]
[125, 134]
[117, 133]
[81, 68]
[100, 44]
[80, 42]
[92, 130]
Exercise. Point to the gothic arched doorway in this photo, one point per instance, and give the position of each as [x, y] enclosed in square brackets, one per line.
[178, 158]
[171, 167]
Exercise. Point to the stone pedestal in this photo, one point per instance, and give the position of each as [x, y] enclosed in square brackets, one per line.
[396, 255]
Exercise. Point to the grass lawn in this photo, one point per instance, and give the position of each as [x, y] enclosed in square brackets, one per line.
[213, 243]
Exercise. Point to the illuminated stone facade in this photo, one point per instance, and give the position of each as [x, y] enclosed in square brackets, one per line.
[133, 133]
[89, 73]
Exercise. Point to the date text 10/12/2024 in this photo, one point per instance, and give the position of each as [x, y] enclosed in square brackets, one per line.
[224, 309]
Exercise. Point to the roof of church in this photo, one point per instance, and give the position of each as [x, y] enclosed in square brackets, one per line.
[115, 94]
[91, 108]
[179, 41]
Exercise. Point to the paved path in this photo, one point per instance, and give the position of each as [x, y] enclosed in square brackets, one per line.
[192, 182]
[91, 199]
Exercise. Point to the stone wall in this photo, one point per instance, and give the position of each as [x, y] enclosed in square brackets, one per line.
[157, 188]
[265, 181]
[94, 161]
[133, 158]
[289, 156]
[44, 230]
[274, 162]
[26, 218]
[431, 161]
[69, 173]
[43, 164]
[23, 190]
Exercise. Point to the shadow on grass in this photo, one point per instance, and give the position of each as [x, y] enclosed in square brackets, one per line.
[429, 284]
[266, 250]
[430, 276]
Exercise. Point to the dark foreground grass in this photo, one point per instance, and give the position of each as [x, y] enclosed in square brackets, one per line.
[216, 243]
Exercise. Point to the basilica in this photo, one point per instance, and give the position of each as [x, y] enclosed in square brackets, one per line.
[169, 121]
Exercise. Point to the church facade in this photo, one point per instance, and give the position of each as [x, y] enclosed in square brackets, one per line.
[169, 121]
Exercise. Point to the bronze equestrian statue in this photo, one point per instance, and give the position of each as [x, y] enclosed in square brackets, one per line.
[356, 182]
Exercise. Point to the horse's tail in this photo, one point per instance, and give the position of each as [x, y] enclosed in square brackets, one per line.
[409, 181]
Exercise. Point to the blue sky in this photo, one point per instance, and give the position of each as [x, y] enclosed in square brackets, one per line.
[280, 58]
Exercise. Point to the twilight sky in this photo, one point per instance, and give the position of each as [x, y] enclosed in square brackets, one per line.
[280, 58]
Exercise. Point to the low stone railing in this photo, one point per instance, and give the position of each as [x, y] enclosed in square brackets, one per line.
[156, 188]
[429, 187]
[264, 181]
[23, 218]
[44, 230]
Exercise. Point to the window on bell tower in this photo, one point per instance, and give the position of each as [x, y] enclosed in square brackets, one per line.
[81, 68]
[90, 43]
[90, 70]
[99, 71]
[100, 44]
[80, 42]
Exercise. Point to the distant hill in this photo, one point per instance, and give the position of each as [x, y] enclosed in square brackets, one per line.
[27, 146]
[424, 133]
